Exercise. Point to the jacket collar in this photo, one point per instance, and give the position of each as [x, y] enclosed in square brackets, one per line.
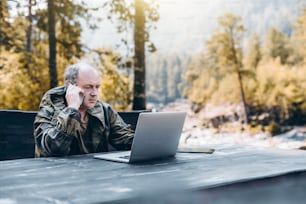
[57, 97]
[98, 112]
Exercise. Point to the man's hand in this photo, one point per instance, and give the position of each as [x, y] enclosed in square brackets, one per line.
[74, 96]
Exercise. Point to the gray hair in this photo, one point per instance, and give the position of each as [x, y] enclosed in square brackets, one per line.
[71, 74]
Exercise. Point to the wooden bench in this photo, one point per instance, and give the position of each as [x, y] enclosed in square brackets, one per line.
[16, 132]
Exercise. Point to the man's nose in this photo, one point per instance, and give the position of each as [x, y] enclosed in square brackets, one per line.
[94, 91]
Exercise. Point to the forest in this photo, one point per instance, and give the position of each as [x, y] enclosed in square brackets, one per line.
[269, 78]
[266, 77]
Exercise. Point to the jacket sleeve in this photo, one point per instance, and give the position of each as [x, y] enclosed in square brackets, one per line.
[54, 130]
[121, 135]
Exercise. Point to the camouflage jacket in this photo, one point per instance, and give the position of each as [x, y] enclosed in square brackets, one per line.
[57, 128]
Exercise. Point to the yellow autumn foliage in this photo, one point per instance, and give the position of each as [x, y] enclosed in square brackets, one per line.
[25, 78]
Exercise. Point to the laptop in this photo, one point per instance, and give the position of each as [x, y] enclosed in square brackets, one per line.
[157, 136]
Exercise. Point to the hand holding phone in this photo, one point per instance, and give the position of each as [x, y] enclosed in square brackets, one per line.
[74, 96]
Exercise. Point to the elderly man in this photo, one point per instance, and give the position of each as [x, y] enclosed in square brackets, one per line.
[72, 120]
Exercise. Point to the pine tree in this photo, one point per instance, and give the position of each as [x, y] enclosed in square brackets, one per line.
[226, 50]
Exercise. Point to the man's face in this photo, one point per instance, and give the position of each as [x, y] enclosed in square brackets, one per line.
[89, 82]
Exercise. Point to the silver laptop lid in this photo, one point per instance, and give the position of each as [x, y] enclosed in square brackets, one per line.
[157, 135]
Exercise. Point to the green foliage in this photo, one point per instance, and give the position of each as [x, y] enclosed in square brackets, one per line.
[164, 77]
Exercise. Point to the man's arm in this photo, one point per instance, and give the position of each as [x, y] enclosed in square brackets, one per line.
[121, 135]
[54, 130]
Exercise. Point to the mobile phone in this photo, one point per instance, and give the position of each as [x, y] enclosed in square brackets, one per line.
[82, 98]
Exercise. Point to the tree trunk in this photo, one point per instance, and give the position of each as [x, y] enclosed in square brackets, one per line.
[29, 29]
[238, 65]
[244, 104]
[52, 44]
[139, 100]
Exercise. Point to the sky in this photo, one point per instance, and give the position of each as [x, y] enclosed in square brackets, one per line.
[185, 25]
[178, 23]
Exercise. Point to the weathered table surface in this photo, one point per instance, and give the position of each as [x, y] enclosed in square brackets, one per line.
[232, 174]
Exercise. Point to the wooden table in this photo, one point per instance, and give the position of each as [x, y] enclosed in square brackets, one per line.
[232, 174]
